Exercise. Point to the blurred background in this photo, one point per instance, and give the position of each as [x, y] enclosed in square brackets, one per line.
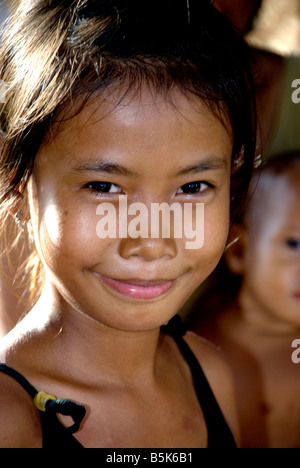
[277, 27]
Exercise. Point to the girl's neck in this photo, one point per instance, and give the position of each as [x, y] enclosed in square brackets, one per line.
[79, 341]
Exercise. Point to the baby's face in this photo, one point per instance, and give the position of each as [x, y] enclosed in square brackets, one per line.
[151, 152]
[272, 257]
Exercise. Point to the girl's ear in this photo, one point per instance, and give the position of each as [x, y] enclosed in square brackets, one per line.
[18, 208]
[20, 211]
[235, 254]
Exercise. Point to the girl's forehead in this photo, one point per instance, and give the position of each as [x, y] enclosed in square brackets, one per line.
[140, 133]
[146, 112]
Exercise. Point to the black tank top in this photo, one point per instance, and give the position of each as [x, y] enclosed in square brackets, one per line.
[58, 436]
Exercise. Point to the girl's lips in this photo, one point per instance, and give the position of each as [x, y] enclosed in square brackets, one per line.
[138, 289]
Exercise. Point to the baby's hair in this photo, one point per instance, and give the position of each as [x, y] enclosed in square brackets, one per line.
[57, 54]
[281, 163]
[277, 166]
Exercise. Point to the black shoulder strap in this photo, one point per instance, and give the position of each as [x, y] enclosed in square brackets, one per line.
[49, 406]
[219, 434]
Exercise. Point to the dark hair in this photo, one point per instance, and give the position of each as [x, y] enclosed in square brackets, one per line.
[56, 51]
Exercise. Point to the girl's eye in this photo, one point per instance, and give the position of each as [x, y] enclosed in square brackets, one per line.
[103, 187]
[194, 187]
[293, 244]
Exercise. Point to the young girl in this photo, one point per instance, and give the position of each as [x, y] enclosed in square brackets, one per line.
[151, 101]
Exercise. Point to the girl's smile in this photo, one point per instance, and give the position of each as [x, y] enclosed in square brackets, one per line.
[138, 289]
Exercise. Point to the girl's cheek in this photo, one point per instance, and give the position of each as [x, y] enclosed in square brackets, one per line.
[70, 232]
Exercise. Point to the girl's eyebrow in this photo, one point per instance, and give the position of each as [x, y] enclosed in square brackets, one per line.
[204, 165]
[212, 163]
[104, 167]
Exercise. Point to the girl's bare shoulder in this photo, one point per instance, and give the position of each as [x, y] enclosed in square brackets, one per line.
[211, 359]
[20, 422]
[204, 349]
[219, 376]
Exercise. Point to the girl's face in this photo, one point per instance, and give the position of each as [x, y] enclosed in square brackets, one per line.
[152, 152]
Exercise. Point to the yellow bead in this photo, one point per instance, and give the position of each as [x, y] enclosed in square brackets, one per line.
[41, 399]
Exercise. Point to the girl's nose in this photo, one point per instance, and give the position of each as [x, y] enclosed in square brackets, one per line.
[148, 249]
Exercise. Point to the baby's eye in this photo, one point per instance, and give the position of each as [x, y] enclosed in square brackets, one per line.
[103, 187]
[293, 244]
[194, 187]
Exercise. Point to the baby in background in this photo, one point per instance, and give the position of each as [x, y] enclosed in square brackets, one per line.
[257, 329]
